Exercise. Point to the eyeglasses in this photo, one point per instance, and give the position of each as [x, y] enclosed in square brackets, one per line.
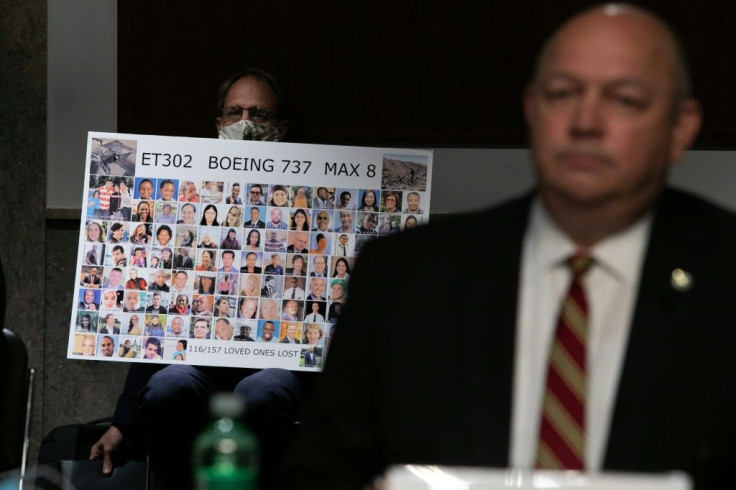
[257, 114]
[255, 192]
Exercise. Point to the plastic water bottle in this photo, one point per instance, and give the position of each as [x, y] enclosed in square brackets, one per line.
[225, 455]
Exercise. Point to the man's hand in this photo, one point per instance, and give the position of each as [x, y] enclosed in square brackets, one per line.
[105, 448]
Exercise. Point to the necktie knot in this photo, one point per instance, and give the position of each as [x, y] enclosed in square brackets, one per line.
[579, 264]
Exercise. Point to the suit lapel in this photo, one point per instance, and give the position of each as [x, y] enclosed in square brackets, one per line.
[657, 337]
[490, 370]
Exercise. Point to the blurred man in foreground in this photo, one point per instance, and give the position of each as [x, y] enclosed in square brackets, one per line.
[643, 354]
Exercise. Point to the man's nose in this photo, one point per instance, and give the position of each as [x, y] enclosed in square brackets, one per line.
[587, 117]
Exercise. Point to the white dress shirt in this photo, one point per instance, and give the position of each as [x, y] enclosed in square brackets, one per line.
[611, 286]
[294, 293]
[314, 317]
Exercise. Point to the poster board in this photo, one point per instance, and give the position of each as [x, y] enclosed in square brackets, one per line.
[229, 253]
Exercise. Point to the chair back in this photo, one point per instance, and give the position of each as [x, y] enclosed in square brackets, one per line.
[14, 395]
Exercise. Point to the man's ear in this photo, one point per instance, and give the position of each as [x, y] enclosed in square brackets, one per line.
[685, 129]
[283, 127]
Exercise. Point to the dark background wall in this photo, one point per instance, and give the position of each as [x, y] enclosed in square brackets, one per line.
[380, 72]
[23, 174]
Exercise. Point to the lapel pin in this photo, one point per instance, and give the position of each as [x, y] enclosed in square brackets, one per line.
[681, 280]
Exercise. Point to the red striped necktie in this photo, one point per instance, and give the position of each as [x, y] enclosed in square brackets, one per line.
[562, 430]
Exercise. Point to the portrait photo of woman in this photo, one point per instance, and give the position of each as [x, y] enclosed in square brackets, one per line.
[302, 197]
[167, 258]
[411, 222]
[187, 214]
[204, 284]
[253, 241]
[250, 285]
[334, 311]
[143, 212]
[223, 308]
[313, 334]
[234, 217]
[300, 220]
[369, 200]
[341, 268]
[140, 233]
[94, 232]
[230, 239]
[338, 290]
[248, 308]
[134, 325]
[117, 233]
[279, 196]
[320, 244]
[269, 309]
[180, 305]
[163, 236]
[209, 216]
[205, 261]
[391, 202]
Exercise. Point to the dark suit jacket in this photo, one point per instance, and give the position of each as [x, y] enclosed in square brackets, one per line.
[257, 224]
[676, 401]
[183, 262]
[256, 270]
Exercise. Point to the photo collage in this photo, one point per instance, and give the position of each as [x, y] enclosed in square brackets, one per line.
[167, 260]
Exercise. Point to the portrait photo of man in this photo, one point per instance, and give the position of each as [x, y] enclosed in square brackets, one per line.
[107, 346]
[267, 332]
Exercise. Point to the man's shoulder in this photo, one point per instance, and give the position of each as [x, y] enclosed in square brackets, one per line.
[487, 225]
[686, 223]
[421, 254]
[691, 209]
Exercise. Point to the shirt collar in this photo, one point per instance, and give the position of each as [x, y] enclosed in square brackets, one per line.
[620, 254]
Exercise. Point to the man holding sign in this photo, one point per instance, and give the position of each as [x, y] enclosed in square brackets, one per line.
[169, 403]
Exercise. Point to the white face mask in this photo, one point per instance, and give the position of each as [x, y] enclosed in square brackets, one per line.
[248, 130]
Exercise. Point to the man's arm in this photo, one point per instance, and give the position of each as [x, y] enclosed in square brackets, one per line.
[116, 439]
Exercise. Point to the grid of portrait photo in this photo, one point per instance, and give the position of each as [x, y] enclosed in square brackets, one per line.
[167, 260]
